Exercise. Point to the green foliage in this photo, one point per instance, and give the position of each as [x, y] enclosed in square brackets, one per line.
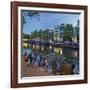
[46, 35]
[25, 36]
[77, 30]
[40, 34]
[30, 14]
[68, 32]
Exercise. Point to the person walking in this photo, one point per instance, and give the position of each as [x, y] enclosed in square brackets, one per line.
[34, 58]
[29, 60]
[25, 56]
[46, 64]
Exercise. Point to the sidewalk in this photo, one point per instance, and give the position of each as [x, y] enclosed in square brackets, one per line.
[28, 71]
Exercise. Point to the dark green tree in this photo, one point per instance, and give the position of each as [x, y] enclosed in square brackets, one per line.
[25, 36]
[46, 34]
[77, 30]
[40, 34]
[68, 32]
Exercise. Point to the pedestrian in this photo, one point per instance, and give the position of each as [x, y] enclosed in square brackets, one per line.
[34, 58]
[25, 56]
[53, 64]
[29, 60]
[75, 70]
[58, 66]
[40, 60]
[46, 63]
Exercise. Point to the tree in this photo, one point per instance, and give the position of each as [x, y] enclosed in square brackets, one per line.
[77, 30]
[46, 34]
[40, 34]
[25, 36]
[68, 32]
[30, 14]
[35, 34]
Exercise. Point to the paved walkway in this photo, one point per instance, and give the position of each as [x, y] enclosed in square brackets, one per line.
[28, 71]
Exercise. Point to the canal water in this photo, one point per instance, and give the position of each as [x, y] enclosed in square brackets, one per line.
[55, 55]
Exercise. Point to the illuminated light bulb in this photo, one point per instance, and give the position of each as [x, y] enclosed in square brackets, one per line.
[75, 54]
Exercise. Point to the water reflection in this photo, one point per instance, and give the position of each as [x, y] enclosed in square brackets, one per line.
[75, 54]
[58, 50]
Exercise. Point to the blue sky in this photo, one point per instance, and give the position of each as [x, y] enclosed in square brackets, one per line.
[49, 20]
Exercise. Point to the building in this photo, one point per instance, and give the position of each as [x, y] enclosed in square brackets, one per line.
[76, 30]
[59, 32]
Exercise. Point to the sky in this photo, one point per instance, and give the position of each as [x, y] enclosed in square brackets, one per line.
[49, 20]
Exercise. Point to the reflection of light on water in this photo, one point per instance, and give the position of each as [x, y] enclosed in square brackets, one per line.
[33, 46]
[37, 47]
[58, 50]
[42, 48]
[50, 47]
[75, 53]
[25, 45]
